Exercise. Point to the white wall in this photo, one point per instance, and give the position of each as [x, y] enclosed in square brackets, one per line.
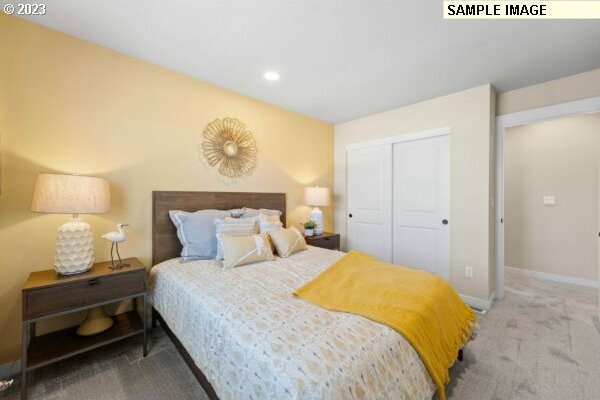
[469, 114]
[557, 158]
[558, 91]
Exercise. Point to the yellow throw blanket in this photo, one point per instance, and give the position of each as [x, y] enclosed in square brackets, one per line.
[421, 306]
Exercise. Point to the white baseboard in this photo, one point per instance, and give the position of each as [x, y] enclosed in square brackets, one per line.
[492, 299]
[476, 302]
[10, 369]
[556, 277]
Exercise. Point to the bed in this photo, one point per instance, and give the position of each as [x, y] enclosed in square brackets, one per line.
[245, 336]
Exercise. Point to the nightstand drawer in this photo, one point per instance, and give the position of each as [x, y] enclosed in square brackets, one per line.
[331, 242]
[50, 300]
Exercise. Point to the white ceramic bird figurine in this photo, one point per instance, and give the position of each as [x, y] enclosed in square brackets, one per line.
[116, 237]
[5, 385]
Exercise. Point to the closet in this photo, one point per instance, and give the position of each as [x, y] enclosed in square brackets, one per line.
[399, 199]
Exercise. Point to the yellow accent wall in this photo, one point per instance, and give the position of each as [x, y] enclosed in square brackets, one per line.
[70, 106]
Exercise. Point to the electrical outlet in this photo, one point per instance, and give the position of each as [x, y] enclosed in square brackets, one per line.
[469, 272]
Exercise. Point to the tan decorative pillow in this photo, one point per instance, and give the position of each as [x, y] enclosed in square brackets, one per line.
[287, 241]
[268, 223]
[233, 227]
[242, 250]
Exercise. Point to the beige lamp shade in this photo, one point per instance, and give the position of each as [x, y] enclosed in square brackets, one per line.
[316, 196]
[70, 194]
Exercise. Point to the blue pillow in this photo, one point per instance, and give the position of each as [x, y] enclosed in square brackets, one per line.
[197, 233]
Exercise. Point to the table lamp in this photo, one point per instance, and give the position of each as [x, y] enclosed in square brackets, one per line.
[75, 194]
[72, 194]
[316, 196]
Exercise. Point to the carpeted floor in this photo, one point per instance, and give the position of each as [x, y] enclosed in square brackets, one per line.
[541, 342]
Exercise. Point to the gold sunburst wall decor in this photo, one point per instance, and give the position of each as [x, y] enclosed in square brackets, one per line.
[229, 146]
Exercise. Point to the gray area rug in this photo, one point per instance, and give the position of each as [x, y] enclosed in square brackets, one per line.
[541, 342]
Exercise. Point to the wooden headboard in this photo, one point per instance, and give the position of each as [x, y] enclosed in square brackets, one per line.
[166, 245]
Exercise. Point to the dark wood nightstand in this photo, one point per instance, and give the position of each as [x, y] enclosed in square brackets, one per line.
[326, 240]
[47, 294]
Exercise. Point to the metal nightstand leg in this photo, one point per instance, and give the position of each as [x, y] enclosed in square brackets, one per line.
[24, 345]
[145, 321]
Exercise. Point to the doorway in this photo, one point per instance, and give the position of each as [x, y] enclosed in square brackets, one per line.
[503, 124]
[551, 205]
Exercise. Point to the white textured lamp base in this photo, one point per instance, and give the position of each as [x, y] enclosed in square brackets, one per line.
[316, 216]
[74, 247]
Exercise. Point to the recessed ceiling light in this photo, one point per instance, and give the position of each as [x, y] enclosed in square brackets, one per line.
[271, 76]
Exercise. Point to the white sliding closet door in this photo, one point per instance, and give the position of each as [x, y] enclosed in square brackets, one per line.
[369, 172]
[421, 204]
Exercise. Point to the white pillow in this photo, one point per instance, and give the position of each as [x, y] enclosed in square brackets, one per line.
[253, 212]
[267, 223]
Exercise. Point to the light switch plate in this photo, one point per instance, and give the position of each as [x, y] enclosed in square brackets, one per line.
[468, 271]
[549, 200]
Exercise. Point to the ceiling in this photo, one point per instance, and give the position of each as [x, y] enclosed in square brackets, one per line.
[338, 60]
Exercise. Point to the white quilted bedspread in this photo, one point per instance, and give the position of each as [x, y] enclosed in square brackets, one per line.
[254, 340]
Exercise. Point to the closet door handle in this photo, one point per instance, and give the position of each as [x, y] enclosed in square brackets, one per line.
[349, 215]
[445, 221]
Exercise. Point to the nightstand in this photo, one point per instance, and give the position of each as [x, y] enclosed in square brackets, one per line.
[326, 240]
[47, 294]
